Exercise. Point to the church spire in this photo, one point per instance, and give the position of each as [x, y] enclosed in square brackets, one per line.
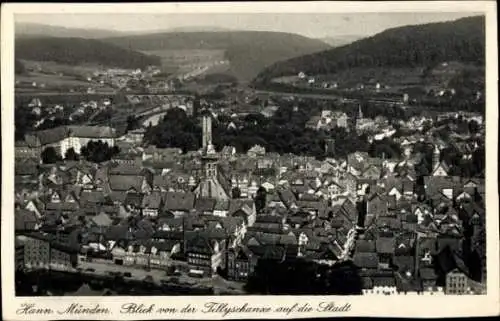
[360, 112]
[436, 157]
[207, 145]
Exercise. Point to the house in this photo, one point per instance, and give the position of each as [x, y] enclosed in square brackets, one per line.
[269, 111]
[152, 204]
[366, 260]
[377, 205]
[205, 205]
[428, 277]
[228, 151]
[129, 183]
[240, 263]
[269, 224]
[256, 150]
[244, 209]
[314, 123]
[26, 220]
[36, 251]
[456, 283]
[102, 220]
[62, 256]
[442, 169]
[66, 137]
[221, 208]
[161, 253]
[203, 252]
[385, 247]
[179, 203]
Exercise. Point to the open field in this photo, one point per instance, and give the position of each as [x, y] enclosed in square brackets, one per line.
[49, 80]
[83, 69]
[186, 57]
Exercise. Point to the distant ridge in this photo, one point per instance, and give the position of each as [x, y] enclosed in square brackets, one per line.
[343, 40]
[248, 51]
[78, 50]
[30, 30]
[408, 46]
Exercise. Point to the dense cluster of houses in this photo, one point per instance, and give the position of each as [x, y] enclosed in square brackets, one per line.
[222, 212]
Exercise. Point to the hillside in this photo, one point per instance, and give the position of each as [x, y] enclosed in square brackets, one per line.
[338, 41]
[30, 30]
[410, 46]
[74, 51]
[247, 51]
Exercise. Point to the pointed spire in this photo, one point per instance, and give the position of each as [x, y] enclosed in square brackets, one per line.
[360, 112]
[436, 157]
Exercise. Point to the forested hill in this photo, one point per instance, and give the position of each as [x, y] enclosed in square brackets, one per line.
[248, 52]
[31, 30]
[417, 45]
[79, 50]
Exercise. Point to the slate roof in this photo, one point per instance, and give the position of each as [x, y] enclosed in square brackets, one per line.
[177, 201]
[204, 204]
[102, 219]
[152, 200]
[92, 197]
[365, 246]
[126, 170]
[25, 220]
[57, 134]
[428, 274]
[125, 182]
[366, 260]
[385, 245]
[63, 206]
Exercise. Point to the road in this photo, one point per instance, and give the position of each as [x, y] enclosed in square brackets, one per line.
[157, 276]
[299, 95]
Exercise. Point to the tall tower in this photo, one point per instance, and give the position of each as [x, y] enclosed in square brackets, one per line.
[436, 157]
[209, 156]
[360, 112]
[207, 129]
[209, 186]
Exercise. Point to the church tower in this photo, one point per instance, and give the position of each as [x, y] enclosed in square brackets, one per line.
[360, 112]
[207, 129]
[209, 156]
[210, 186]
[436, 157]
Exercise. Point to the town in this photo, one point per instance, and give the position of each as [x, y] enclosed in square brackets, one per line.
[130, 182]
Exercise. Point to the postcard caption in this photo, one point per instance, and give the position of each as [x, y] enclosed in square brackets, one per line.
[220, 308]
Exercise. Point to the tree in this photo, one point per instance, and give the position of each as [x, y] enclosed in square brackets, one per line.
[132, 123]
[236, 192]
[19, 67]
[260, 199]
[274, 277]
[98, 151]
[72, 155]
[50, 156]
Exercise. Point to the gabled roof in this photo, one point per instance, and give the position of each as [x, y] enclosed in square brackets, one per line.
[152, 200]
[366, 260]
[125, 182]
[25, 220]
[178, 201]
[204, 204]
[385, 245]
[102, 219]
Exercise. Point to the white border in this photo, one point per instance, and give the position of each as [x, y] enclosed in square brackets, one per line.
[390, 306]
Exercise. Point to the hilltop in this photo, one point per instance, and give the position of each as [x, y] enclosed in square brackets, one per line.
[247, 51]
[403, 47]
[74, 51]
[343, 40]
[34, 30]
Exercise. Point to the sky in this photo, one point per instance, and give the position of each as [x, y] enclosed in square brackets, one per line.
[306, 24]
